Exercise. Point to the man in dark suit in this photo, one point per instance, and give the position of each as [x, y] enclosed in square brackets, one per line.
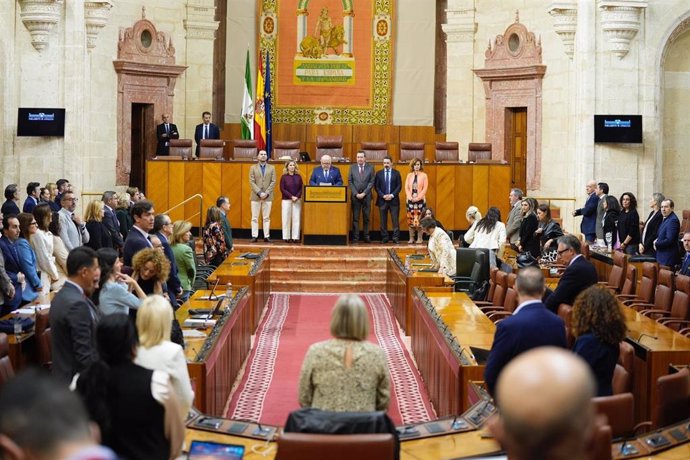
[651, 226]
[685, 265]
[162, 227]
[360, 178]
[388, 185]
[62, 187]
[13, 293]
[326, 173]
[33, 192]
[601, 191]
[110, 219]
[138, 236]
[530, 326]
[205, 130]
[6, 286]
[589, 212]
[165, 131]
[73, 316]
[578, 275]
[666, 243]
[9, 207]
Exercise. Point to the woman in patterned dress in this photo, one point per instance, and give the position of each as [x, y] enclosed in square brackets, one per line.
[346, 373]
[416, 184]
[441, 249]
[215, 249]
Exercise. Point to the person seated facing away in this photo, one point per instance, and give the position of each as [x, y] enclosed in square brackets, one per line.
[215, 249]
[326, 174]
[489, 232]
[157, 352]
[116, 289]
[41, 419]
[441, 249]
[578, 275]
[530, 326]
[346, 373]
[545, 404]
[135, 408]
[599, 326]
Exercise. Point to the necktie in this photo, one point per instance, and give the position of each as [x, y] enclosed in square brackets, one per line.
[263, 170]
[205, 131]
[148, 240]
[361, 170]
[388, 182]
[167, 128]
[327, 174]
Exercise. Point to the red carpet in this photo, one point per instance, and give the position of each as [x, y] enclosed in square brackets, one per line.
[268, 390]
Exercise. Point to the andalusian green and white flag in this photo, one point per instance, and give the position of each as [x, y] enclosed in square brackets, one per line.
[247, 104]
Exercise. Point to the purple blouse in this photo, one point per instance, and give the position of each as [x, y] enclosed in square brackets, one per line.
[291, 185]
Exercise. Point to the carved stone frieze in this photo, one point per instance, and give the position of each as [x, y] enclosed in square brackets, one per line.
[460, 26]
[200, 23]
[40, 17]
[565, 24]
[620, 22]
[95, 18]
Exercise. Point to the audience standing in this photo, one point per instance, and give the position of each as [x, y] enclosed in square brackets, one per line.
[651, 226]
[53, 200]
[184, 257]
[599, 325]
[515, 216]
[360, 179]
[151, 270]
[530, 326]
[223, 203]
[124, 217]
[601, 191]
[33, 194]
[118, 292]
[549, 230]
[10, 207]
[666, 243]
[416, 185]
[42, 243]
[629, 224]
[589, 212]
[27, 258]
[163, 229]
[529, 242]
[262, 180]
[60, 252]
[346, 373]
[138, 236]
[610, 223]
[110, 219]
[99, 235]
[73, 316]
[473, 216]
[8, 245]
[215, 249]
[388, 184]
[72, 228]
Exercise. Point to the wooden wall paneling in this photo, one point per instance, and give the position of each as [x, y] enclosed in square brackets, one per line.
[246, 218]
[389, 134]
[211, 184]
[192, 185]
[176, 193]
[445, 195]
[231, 186]
[230, 132]
[417, 134]
[290, 132]
[480, 187]
[431, 193]
[463, 196]
[329, 130]
[157, 183]
[499, 189]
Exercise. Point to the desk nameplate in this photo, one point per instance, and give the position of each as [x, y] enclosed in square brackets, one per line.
[325, 194]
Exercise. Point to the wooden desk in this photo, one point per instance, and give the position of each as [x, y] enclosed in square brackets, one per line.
[214, 361]
[253, 273]
[445, 326]
[401, 281]
[326, 219]
[656, 347]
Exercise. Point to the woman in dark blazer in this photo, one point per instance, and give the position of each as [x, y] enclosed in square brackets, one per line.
[611, 213]
[629, 224]
[99, 236]
[599, 327]
[651, 226]
[529, 241]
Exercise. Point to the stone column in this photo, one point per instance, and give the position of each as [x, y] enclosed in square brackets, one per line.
[348, 20]
[198, 87]
[460, 30]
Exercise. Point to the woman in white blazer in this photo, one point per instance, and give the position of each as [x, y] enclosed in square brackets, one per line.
[157, 352]
[489, 233]
[42, 243]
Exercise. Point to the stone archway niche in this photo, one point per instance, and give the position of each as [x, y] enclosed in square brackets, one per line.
[146, 74]
[512, 77]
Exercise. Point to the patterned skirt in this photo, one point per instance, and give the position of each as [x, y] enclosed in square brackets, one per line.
[414, 212]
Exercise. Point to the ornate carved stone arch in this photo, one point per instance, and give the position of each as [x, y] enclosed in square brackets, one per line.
[146, 74]
[512, 77]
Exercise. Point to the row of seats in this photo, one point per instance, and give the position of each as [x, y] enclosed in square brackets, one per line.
[328, 145]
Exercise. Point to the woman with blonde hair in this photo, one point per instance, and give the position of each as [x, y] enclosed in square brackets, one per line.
[599, 325]
[215, 249]
[53, 191]
[99, 235]
[346, 373]
[157, 352]
[151, 269]
[123, 215]
[291, 189]
[184, 256]
[416, 185]
[473, 216]
[529, 242]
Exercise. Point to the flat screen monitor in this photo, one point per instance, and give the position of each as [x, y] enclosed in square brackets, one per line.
[622, 129]
[41, 122]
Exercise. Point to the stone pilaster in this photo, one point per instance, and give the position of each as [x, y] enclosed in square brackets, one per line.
[40, 17]
[565, 23]
[200, 27]
[95, 18]
[620, 21]
[460, 30]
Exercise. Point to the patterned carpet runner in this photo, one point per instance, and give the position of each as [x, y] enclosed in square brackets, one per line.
[268, 389]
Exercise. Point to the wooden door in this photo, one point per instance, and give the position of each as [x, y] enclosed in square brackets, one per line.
[516, 146]
[143, 134]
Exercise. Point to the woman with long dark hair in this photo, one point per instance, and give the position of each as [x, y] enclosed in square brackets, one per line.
[135, 408]
[611, 212]
[529, 242]
[549, 230]
[42, 242]
[215, 249]
[629, 224]
[117, 292]
[489, 233]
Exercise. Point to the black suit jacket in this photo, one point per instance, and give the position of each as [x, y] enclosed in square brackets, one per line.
[12, 268]
[577, 277]
[531, 327]
[113, 225]
[163, 149]
[213, 133]
[73, 320]
[380, 186]
[10, 207]
[99, 235]
[653, 221]
[174, 285]
[134, 243]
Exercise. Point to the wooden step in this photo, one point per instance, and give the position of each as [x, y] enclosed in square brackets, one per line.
[327, 263]
[327, 286]
[316, 274]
